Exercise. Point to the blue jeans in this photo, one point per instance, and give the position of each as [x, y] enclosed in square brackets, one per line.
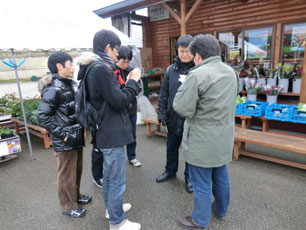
[131, 148]
[173, 144]
[114, 182]
[208, 181]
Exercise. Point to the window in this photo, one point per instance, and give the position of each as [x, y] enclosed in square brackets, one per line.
[293, 47]
[231, 47]
[247, 47]
[258, 45]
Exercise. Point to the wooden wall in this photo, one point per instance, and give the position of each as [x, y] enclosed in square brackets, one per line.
[223, 15]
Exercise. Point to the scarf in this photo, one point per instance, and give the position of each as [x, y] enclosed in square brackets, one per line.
[119, 77]
[107, 60]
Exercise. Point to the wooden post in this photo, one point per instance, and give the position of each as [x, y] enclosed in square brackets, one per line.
[183, 15]
[303, 84]
[278, 38]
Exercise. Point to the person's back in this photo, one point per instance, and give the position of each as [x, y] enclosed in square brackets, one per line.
[207, 99]
[214, 114]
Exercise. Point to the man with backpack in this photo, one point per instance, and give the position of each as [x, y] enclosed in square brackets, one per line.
[56, 113]
[114, 130]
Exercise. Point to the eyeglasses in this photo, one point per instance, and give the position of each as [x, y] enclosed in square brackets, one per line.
[124, 62]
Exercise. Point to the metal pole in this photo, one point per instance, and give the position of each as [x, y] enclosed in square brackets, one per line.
[22, 107]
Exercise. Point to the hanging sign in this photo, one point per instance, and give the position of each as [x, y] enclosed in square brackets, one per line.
[158, 13]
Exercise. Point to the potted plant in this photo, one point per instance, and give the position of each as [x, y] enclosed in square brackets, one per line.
[272, 77]
[252, 88]
[285, 72]
[6, 133]
[9, 104]
[296, 86]
[260, 80]
[272, 92]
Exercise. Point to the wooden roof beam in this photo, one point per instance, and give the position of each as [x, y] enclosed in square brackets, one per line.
[171, 11]
[192, 10]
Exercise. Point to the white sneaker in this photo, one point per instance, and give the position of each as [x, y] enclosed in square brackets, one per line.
[135, 163]
[126, 207]
[126, 225]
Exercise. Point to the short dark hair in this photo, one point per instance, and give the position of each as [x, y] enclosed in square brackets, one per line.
[205, 45]
[184, 41]
[104, 37]
[58, 57]
[125, 53]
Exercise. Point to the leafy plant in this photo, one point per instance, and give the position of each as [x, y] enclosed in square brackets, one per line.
[301, 107]
[240, 100]
[273, 90]
[252, 87]
[9, 104]
[5, 132]
[298, 71]
[285, 70]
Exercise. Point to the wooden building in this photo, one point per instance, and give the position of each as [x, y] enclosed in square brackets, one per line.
[261, 32]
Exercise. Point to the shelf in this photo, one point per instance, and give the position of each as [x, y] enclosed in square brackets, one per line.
[281, 94]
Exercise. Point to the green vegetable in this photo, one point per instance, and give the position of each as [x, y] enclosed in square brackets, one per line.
[240, 100]
[301, 107]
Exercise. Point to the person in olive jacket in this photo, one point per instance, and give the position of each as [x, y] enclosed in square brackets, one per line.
[207, 99]
[172, 80]
[56, 113]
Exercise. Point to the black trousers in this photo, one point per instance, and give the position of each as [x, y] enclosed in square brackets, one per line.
[173, 143]
[96, 163]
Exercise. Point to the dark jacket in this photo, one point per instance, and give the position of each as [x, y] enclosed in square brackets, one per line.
[167, 93]
[132, 108]
[115, 128]
[56, 113]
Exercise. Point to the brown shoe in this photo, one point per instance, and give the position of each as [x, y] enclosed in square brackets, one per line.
[186, 222]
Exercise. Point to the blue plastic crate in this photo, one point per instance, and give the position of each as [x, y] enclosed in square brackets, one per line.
[297, 116]
[280, 112]
[254, 108]
[238, 109]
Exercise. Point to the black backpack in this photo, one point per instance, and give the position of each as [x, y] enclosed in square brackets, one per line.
[85, 112]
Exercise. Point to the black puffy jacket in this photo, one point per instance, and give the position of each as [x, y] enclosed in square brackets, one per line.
[167, 93]
[56, 113]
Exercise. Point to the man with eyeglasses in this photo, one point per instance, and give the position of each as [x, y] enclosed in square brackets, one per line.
[114, 131]
[173, 78]
[123, 69]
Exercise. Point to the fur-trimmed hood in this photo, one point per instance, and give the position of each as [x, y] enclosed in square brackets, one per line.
[83, 60]
[43, 82]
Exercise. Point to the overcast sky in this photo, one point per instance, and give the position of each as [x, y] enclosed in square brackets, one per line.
[52, 11]
[25, 19]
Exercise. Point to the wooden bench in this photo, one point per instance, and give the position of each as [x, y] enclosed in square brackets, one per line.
[152, 120]
[272, 140]
[35, 130]
[245, 120]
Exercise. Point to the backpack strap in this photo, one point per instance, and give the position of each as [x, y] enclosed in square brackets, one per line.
[101, 111]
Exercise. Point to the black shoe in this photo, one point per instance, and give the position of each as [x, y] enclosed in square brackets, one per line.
[98, 183]
[85, 199]
[165, 176]
[77, 213]
[189, 186]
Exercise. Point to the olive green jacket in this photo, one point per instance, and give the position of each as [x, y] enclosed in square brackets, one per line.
[207, 99]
